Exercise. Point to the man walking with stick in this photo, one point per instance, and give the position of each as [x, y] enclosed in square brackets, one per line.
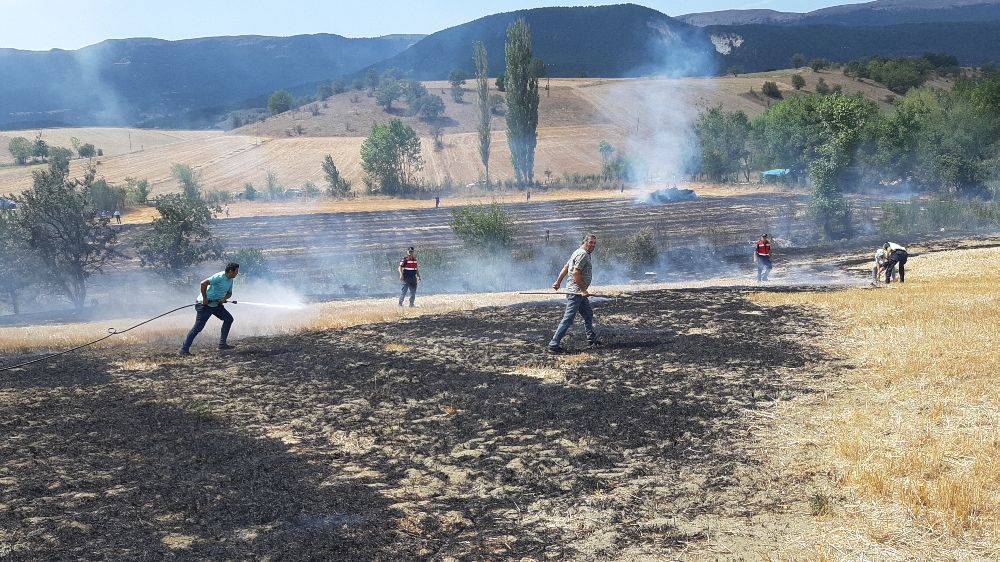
[580, 271]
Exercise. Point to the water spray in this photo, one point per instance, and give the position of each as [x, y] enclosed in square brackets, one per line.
[271, 305]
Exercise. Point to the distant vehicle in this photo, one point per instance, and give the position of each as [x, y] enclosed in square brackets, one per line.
[6, 204]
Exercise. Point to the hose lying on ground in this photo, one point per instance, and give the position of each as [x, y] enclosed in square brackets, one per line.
[111, 332]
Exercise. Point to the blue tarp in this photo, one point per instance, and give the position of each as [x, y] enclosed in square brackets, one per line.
[777, 172]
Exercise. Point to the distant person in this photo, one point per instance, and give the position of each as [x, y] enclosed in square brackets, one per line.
[897, 256]
[409, 276]
[580, 271]
[762, 257]
[527, 196]
[881, 255]
[227, 211]
[437, 201]
[118, 216]
[215, 291]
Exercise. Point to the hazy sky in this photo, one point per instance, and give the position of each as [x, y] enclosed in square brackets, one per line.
[71, 24]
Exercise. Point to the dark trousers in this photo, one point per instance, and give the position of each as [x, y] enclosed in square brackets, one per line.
[896, 259]
[408, 283]
[203, 314]
[763, 267]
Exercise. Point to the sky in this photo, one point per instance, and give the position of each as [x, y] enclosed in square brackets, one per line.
[40, 25]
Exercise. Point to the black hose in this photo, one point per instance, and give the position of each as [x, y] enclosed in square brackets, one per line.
[111, 332]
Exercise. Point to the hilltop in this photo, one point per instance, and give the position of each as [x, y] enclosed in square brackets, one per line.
[575, 115]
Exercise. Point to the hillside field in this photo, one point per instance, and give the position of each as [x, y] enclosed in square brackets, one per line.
[574, 116]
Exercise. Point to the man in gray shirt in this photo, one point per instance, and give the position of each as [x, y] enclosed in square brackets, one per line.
[580, 270]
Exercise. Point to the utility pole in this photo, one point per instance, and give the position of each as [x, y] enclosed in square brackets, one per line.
[130, 141]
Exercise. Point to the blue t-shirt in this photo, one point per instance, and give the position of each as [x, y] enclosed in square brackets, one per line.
[218, 285]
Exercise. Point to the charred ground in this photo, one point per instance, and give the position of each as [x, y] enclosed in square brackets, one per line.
[437, 436]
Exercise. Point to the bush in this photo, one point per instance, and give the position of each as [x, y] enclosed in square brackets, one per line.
[217, 196]
[253, 262]
[798, 82]
[636, 252]
[916, 216]
[483, 227]
[249, 192]
[770, 89]
[822, 88]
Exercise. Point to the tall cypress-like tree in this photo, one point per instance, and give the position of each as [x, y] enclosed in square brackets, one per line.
[522, 101]
[483, 89]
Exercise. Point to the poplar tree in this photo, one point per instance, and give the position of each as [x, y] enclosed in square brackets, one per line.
[483, 89]
[522, 101]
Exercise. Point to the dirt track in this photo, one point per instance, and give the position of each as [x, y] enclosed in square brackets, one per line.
[432, 437]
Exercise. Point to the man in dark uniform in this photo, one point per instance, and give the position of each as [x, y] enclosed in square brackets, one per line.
[409, 276]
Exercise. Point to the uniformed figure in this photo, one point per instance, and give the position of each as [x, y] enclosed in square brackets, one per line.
[409, 276]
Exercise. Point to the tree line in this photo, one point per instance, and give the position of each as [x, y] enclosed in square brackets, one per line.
[945, 142]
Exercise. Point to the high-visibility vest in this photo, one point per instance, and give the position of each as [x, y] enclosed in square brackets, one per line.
[763, 248]
[408, 263]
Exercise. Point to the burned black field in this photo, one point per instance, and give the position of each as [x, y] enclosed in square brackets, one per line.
[433, 437]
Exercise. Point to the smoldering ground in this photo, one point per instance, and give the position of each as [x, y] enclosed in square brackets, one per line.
[427, 437]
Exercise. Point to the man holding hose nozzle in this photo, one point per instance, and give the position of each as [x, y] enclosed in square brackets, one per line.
[215, 291]
[580, 270]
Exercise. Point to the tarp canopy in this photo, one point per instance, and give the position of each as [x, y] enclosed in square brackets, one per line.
[777, 172]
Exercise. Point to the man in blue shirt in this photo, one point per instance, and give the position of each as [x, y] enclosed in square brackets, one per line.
[215, 291]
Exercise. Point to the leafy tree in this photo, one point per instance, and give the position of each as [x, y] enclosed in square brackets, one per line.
[60, 156]
[522, 101]
[106, 197]
[481, 62]
[497, 104]
[822, 88]
[75, 143]
[180, 237]
[457, 94]
[324, 91]
[798, 82]
[844, 121]
[371, 80]
[798, 60]
[338, 86]
[390, 156]
[64, 231]
[431, 106]
[86, 150]
[457, 77]
[337, 185]
[606, 150]
[537, 67]
[18, 266]
[500, 83]
[819, 64]
[20, 149]
[189, 179]
[413, 91]
[40, 148]
[724, 141]
[279, 102]
[788, 134]
[388, 90]
[770, 89]
[483, 227]
[136, 190]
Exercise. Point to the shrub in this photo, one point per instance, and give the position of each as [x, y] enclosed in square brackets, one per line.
[770, 89]
[822, 88]
[798, 82]
[253, 262]
[483, 227]
[636, 252]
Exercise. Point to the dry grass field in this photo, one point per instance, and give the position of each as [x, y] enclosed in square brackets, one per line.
[909, 434]
[574, 116]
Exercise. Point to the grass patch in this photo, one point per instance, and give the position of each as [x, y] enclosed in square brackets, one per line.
[912, 433]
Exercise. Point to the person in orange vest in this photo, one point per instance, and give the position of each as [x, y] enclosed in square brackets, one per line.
[409, 276]
[762, 257]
